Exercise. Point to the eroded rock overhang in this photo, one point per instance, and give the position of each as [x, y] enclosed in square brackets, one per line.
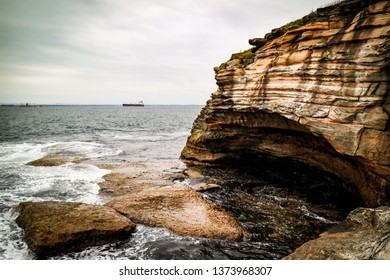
[318, 94]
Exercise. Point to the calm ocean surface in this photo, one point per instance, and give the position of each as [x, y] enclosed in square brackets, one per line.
[276, 219]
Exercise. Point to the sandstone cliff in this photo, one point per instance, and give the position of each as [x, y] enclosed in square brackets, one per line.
[314, 91]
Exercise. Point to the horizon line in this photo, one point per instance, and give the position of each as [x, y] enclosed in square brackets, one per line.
[86, 104]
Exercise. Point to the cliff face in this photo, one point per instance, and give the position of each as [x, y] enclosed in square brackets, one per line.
[317, 93]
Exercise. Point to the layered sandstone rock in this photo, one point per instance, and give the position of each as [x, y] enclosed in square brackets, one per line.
[317, 93]
[181, 210]
[364, 235]
[53, 227]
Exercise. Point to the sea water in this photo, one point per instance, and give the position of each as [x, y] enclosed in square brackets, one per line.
[112, 133]
[115, 134]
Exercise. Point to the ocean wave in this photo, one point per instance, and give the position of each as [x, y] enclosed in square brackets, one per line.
[155, 137]
[14, 154]
[145, 243]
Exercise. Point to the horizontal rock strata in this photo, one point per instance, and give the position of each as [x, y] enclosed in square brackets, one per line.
[60, 227]
[181, 210]
[364, 235]
[316, 93]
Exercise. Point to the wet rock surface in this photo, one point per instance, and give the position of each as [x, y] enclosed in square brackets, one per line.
[126, 178]
[49, 160]
[280, 204]
[53, 228]
[56, 159]
[364, 235]
[181, 210]
[316, 94]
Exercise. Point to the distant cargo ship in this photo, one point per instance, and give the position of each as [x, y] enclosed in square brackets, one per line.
[139, 104]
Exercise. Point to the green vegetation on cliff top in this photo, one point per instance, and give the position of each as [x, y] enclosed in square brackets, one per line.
[339, 8]
[246, 56]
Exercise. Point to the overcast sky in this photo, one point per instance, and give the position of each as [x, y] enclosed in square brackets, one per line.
[115, 51]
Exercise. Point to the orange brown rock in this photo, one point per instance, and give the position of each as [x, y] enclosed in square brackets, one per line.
[53, 227]
[318, 94]
[181, 210]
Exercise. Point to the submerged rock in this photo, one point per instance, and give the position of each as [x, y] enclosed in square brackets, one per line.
[364, 235]
[181, 210]
[56, 159]
[49, 160]
[205, 186]
[315, 91]
[53, 227]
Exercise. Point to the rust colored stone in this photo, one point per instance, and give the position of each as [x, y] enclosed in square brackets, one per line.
[318, 94]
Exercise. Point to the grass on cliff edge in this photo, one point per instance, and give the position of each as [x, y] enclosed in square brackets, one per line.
[312, 17]
[246, 57]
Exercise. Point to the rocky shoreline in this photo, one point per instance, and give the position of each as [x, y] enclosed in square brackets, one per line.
[54, 228]
[314, 92]
[364, 235]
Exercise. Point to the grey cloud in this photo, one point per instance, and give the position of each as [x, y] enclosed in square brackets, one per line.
[116, 46]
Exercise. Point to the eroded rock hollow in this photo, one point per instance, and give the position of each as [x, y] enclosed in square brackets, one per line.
[314, 91]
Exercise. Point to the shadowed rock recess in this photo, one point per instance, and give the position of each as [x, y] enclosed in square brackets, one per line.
[314, 91]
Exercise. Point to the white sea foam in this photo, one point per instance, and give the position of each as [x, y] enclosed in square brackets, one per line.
[20, 182]
[141, 246]
[11, 244]
[69, 182]
[14, 154]
[310, 214]
[152, 137]
[120, 135]
[90, 149]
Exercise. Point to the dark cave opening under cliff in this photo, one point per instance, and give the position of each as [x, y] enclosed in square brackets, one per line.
[279, 202]
[315, 186]
[283, 183]
[318, 186]
[273, 147]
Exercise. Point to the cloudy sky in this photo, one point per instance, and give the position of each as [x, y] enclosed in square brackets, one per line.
[114, 51]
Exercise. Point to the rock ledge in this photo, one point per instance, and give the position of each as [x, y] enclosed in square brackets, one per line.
[364, 235]
[181, 210]
[53, 227]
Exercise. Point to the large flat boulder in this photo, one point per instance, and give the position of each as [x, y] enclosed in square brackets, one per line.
[364, 235]
[181, 210]
[53, 227]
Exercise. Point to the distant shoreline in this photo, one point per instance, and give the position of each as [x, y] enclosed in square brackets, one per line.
[112, 105]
